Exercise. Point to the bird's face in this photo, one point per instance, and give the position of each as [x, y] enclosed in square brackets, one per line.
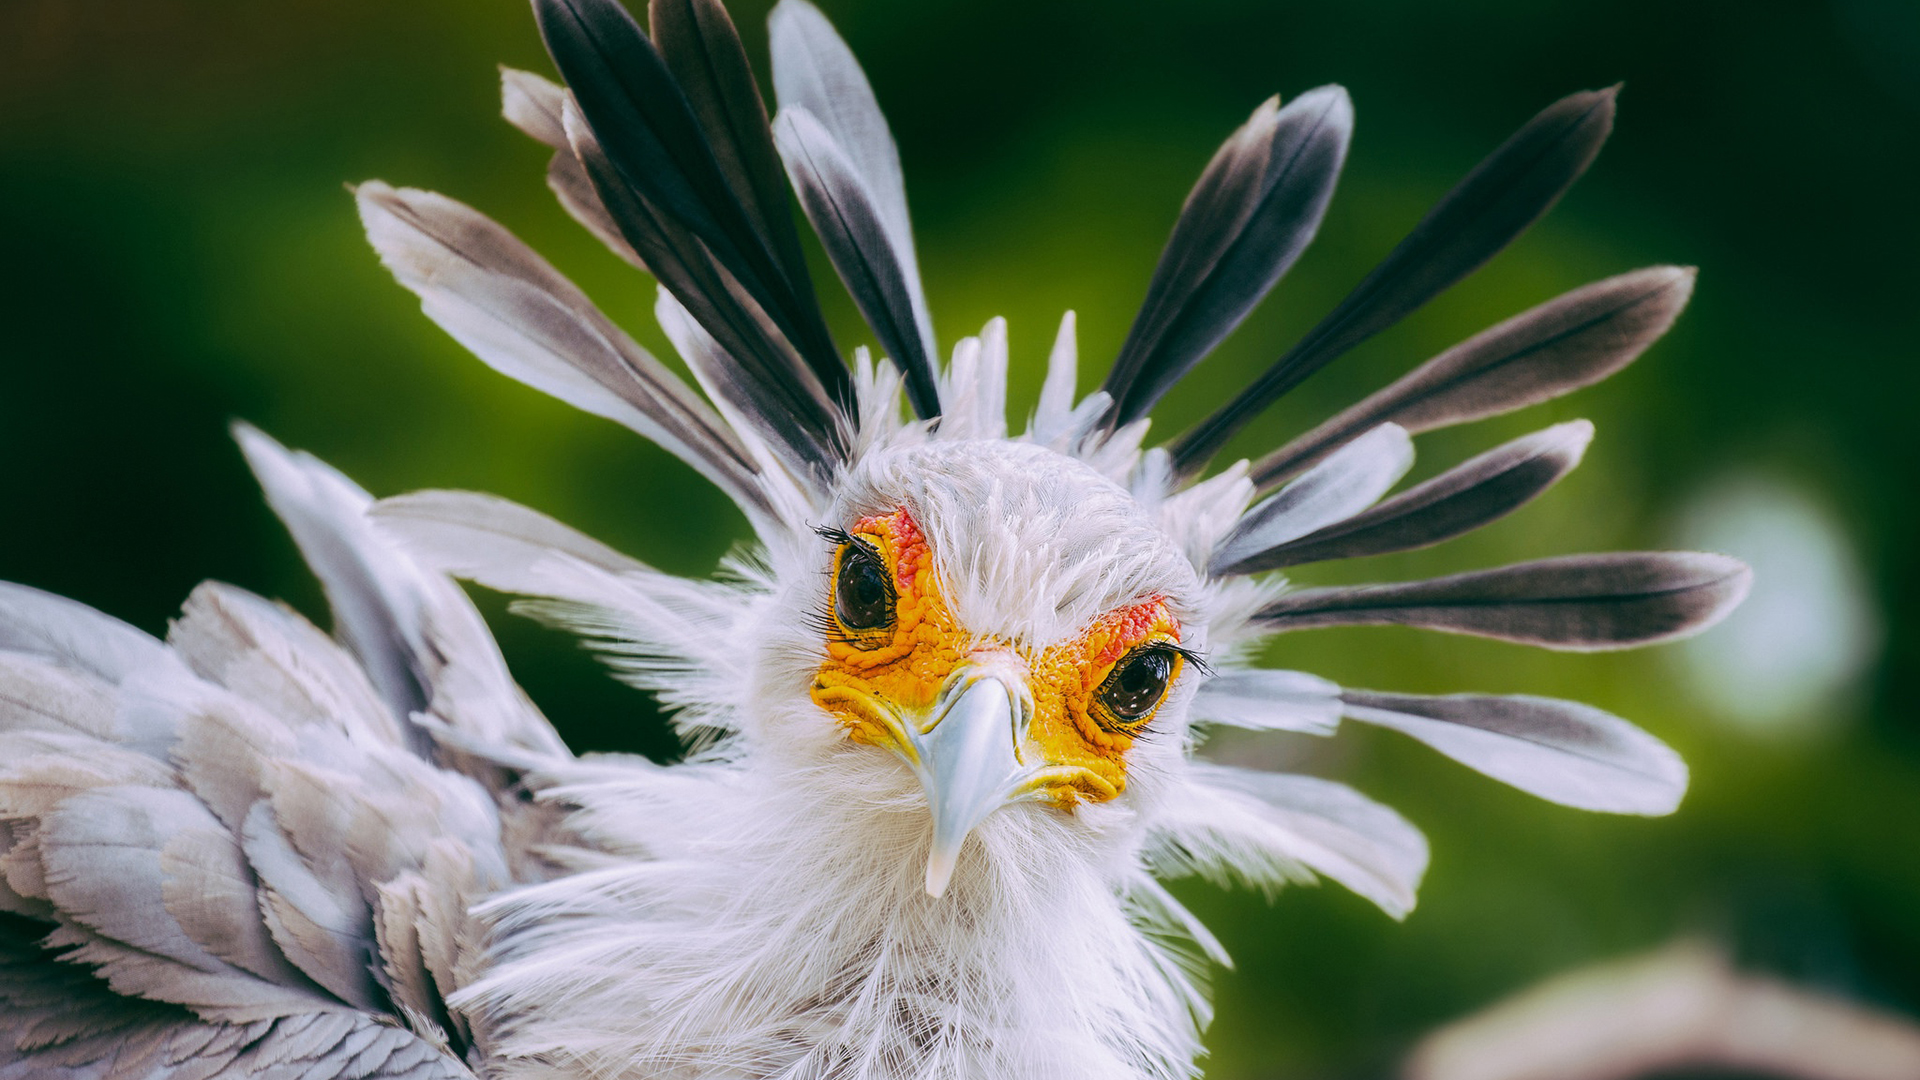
[1004, 620]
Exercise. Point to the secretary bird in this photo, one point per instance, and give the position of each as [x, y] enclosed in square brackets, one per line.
[941, 714]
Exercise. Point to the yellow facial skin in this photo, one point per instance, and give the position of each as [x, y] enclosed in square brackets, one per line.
[1070, 724]
[872, 677]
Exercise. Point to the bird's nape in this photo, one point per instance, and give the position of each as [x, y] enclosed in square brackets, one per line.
[942, 712]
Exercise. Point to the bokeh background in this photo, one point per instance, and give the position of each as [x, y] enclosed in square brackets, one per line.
[177, 249]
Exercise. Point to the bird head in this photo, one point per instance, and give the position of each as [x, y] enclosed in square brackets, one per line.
[1004, 620]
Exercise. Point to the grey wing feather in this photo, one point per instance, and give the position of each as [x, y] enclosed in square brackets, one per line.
[416, 633]
[1569, 342]
[1578, 602]
[135, 888]
[228, 855]
[43, 624]
[377, 612]
[115, 1042]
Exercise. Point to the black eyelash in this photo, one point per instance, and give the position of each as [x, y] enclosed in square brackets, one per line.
[842, 538]
[1190, 656]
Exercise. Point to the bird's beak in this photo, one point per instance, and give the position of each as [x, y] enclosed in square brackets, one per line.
[970, 762]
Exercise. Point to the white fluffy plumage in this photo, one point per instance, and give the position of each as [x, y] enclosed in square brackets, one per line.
[764, 912]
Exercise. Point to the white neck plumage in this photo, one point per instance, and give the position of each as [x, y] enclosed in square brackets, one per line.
[769, 919]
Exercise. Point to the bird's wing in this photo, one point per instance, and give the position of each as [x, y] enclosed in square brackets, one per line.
[249, 850]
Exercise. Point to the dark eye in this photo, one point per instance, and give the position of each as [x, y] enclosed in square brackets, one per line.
[862, 596]
[1136, 686]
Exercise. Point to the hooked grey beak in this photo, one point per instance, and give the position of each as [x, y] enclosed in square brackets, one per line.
[969, 763]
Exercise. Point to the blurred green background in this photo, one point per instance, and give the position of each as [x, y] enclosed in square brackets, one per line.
[177, 249]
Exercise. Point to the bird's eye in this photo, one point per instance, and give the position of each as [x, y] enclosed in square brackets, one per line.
[862, 595]
[1136, 685]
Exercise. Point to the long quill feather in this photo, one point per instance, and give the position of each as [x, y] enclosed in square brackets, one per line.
[1253, 211]
[1579, 603]
[1496, 202]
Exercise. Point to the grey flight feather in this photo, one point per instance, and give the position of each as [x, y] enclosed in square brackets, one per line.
[43, 624]
[1465, 497]
[848, 220]
[1496, 202]
[59, 1023]
[417, 634]
[517, 313]
[1572, 341]
[1562, 751]
[1253, 211]
[1576, 602]
[376, 615]
[142, 882]
[137, 866]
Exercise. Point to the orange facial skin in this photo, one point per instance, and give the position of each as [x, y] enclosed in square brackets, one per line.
[905, 666]
[870, 679]
[1070, 725]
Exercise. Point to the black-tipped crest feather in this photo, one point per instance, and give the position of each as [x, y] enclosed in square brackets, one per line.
[788, 404]
[1472, 494]
[1562, 751]
[1572, 341]
[1253, 211]
[814, 70]
[654, 143]
[702, 48]
[521, 317]
[1496, 202]
[850, 226]
[1578, 603]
